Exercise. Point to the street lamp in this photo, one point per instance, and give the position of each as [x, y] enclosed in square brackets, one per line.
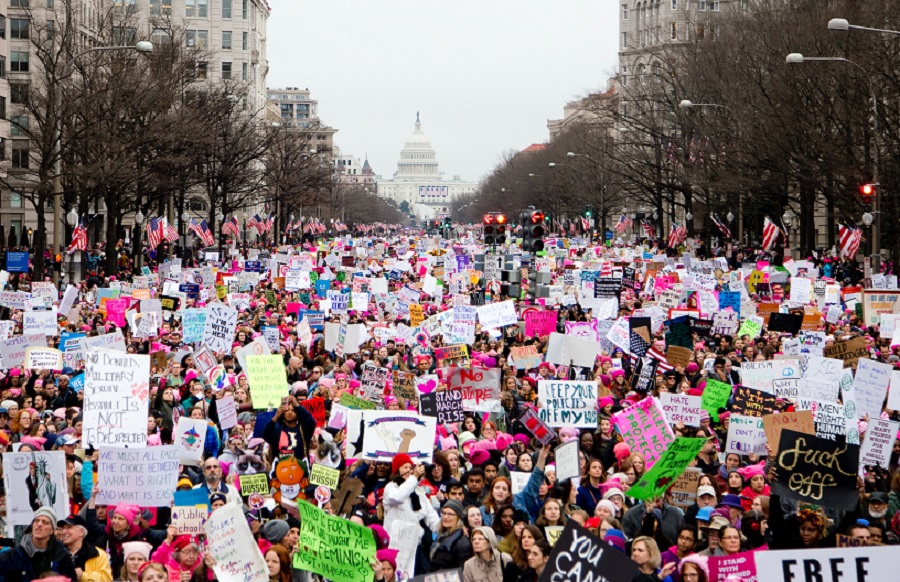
[688, 215]
[788, 217]
[842, 24]
[730, 217]
[72, 217]
[868, 219]
[138, 218]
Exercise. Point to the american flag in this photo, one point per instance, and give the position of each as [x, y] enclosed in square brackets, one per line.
[203, 233]
[270, 222]
[850, 238]
[649, 229]
[257, 223]
[663, 365]
[770, 234]
[231, 227]
[169, 231]
[585, 224]
[726, 232]
[677, 235]
[623, 224]
[79, 238]
[155, 232]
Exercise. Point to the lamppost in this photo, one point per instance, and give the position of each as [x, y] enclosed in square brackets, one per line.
[137, 239]
[797, 58]
[219, 218]
[140, 47]
[185, 217]
[75, 258]
[788, 219]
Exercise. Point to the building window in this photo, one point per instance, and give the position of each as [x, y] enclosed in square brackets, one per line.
[226, 9]
[2, 66]
[160, 37]
[624, 39]
[190, 38]
[160, 7]
[20, 154]
[701, 31]
[123, 35]
[624, 11]
[674, 4]
[226, 40]
[245, 5]
[701, 5]
[226, 70]
[2, 107]
[18, 93]
[18, 28]
[201, 70]
[674, 31]
[18, 61]
[15, 200]
[203, 8]
[190, 8]
[202, 37]
[49, 3]
[2, 26]
[244, 71]
[714, 5]
[245, 40]
[18, 3]
[18, 126]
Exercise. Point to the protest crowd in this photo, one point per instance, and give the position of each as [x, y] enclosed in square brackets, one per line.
[385, 407]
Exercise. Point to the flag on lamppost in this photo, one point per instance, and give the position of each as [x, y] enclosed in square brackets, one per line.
[770, 234]
[155, 232]
[79, 238]
[850, 239]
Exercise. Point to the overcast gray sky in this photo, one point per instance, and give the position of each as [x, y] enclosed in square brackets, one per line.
[485, 74]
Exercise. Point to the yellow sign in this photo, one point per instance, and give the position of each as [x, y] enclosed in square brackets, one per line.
[256, 483]
[322, 475]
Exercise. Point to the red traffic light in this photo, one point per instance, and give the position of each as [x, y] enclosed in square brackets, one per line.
[867, 189]
[489, 219]
[537, 217]
[501, 219]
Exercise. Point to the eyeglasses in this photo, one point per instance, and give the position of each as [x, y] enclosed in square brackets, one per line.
[210, 468]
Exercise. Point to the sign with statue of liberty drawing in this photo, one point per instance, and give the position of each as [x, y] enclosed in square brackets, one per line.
[387, 433]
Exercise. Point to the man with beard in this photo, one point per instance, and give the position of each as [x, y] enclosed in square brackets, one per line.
[212, 482]
[39, 553]
[876, 510]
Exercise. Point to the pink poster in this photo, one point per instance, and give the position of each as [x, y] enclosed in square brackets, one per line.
[742, 566]
[115, 311]
[644, 427]
[540, 323]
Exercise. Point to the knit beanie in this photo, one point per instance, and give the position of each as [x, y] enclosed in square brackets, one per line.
[275, 530]
[400, 460]
[455, 506]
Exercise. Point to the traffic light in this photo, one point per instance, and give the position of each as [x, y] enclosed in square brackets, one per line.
[494, 232]
[533, 231]
[866, 193]
[500, 221]
[587, 213]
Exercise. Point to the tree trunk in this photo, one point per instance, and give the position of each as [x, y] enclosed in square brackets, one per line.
[112, 212]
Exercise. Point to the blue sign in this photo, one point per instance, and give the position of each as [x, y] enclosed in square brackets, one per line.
[609, 235]
[730, 299]
[316, 319]
[322, 287]
[254, 266]
[77, 382]
[67, 340]
[17, 261]
[191, 290]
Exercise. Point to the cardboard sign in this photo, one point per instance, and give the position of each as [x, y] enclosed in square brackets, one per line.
[876, 448]
[333, 547]
[189, 520]
[268, 380]
[579, 555]
[116, 398]
[218, 329]
[798, 421]
[388, 432]
[741, 565]
[746, 435]
[404, 385]
[715, 396]
[231, 544]
[43, 359]
[678, 356]
[816, 470]
[849, 351]
[316, 407]
[684, 491]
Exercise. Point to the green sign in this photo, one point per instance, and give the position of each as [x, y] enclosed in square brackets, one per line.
[667, 468]
[354, 402]
[715, 396]
[333, 547]
[749, 327]
[268, 380]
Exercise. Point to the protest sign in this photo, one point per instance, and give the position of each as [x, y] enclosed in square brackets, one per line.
[327, 476]
[567, 461]
[190, 436]
[799, 421]
[356, 403]
[230, 543]
[316, 407]
[568, 350]
[404, 385]
[666, 469]
[740, 565]
[568, 403]
[746, 435]
[496, 315]
[258, 347]
[540, 323]
[37, 358]
[715, 396]
[644, 427]
[879, 441]
[335, 548]
[816, 470]
[455, 355]
[893, 400]
[579, 555]
[525, 357]
[218, 329]
[108, 341]
[678, 356]
[680, 408]
[116, 398]
[34, 480]
[268, 380]
[193, 322]
[537, 428]
[445, 405]
[684, 490]
[480, 388]
[870, 564]
[255, 483]
[373, 381]
[870, 387]
[39, 322]
[12, 350]
[849, 351]
[752, 402]
[227, 412]
[190, 520]
[829, 418]
[388, 432]
[137, 476]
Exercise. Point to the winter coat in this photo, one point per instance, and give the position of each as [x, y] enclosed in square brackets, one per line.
[163, 555]
[477, 569]
[94, 564]
[527, 499]
[398, 507]
[25, 563]
[279, 435]
[450, 552]
[672, 520]
[103, 537]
